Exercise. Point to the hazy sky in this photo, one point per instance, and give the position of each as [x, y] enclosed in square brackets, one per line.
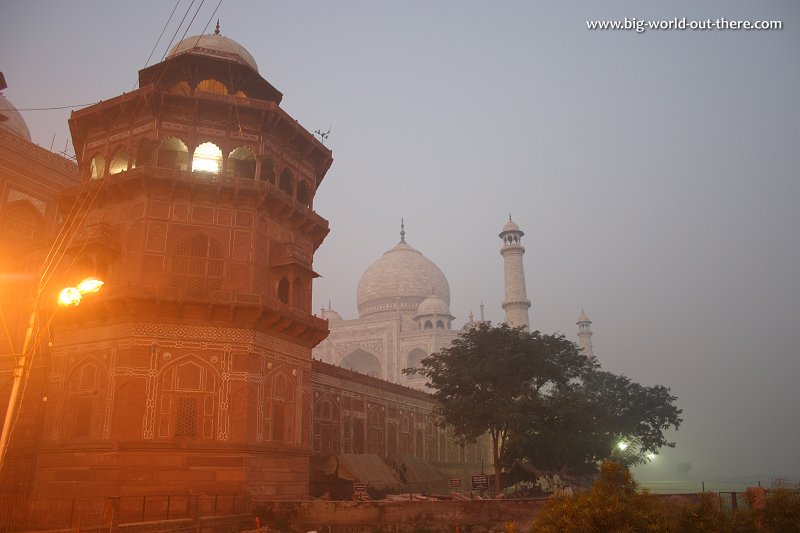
[655, 174]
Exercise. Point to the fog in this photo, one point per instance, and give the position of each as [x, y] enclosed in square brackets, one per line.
[655, 174]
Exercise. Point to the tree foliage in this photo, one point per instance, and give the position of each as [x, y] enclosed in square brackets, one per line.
[491, 379]
[539, 398]
[582, 423]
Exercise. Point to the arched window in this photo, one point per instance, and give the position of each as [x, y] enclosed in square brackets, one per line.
[406, 442]
[280, 422]
[375, 434]
[212, 86]
[85, 395]
[182, 88]
[302, 193]
[144, 154]
[283, 290]
[242, 162]
[197, 264]
[187, 400]
[98, 167]
[326, 426]
[428, 324]
[119, 163]
[207, 158]
[267, 170]
[439, 324]
[362, 361]
[172, 153]
[287, 180]
[22, 222]
[414, 360]
[240, 94]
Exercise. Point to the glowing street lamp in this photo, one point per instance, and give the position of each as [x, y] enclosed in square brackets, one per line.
[71, 296]
[622, 445]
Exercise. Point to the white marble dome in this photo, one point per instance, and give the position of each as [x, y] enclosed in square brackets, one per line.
[214, 45]
[510, 226]
[433, 305]
[400, 276]
[12, 121]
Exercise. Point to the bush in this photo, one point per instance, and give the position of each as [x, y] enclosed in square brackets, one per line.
[614, 504]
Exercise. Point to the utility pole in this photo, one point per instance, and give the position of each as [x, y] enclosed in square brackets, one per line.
[19, 376]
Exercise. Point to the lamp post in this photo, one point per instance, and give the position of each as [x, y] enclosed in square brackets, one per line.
[71, 296]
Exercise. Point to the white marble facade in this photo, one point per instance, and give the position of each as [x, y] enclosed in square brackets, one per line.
[404, 315]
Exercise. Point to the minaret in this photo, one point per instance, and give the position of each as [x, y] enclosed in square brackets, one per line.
[585, 334]
[516, 303]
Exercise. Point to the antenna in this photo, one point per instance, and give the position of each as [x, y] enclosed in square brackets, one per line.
[323, 135]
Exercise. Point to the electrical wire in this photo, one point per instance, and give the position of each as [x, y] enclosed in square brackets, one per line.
[47, 108]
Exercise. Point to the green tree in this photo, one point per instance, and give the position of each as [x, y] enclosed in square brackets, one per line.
[583, 422]
[492, 379]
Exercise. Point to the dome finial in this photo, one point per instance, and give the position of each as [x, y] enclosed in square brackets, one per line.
[216, 31]
[402, 231]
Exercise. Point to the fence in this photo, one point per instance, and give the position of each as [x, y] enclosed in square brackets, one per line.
[18, 513]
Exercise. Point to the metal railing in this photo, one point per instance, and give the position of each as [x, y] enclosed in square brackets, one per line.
[19, 513]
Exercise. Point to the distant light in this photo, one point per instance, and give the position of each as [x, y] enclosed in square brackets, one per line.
[651, 456]
[69, 296]
[89, 285]
[207, 158]
[622, 445]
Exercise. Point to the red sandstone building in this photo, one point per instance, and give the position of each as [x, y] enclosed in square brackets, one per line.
[191, 371]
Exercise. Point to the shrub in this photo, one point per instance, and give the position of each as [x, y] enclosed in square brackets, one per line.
[614, 504]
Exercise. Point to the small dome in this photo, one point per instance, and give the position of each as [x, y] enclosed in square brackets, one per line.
[12, 121]
[331, 316]
[214, 45]
[402, 276]
[433, 305]
[583, 317]
[510, 226]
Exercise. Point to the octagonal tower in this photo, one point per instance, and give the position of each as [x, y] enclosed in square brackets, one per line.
[190, 371]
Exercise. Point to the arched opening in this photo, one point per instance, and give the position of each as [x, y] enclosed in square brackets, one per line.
[172, 153]
[375, 433]
[428, 324]
[212, 86]
[207, 158]
[286, 184]
[279, 424]
[406, 442]
[439, 324]
[364, 362]
[302, 194]
[242, 162]
[187, 400]
[119, 162]
[98, 167]
[282, 291]
[240, 94]
[22, 222]
[84, 400]
[326, 426]
[267, 170]
[414, 360]
[197, 264]
[182, 88]
[144, 154]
